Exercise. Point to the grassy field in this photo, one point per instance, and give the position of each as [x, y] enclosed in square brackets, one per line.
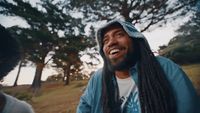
[52, 97]
[193, 72]
[56, 98]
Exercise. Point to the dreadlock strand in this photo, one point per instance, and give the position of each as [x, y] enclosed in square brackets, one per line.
[155, 95]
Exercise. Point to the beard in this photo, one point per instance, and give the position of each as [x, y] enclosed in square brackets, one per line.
[128, 61]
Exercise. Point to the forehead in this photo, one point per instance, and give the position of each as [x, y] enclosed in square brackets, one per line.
[113, 30]
[111, 27]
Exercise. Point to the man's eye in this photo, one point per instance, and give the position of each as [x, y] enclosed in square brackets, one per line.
[105, 41]
[120, 34]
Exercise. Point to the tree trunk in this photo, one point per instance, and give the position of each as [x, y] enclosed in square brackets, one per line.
[19, 70]
[67, 75]
[36, 84]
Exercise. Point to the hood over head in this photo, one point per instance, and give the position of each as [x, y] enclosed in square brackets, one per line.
[128, 28]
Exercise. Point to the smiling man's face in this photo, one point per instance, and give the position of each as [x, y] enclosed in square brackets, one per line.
[117, 45]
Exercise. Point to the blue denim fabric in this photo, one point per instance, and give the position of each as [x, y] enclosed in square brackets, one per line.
[186, 96]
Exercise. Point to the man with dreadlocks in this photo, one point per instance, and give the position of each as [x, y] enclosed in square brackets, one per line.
[133, 80]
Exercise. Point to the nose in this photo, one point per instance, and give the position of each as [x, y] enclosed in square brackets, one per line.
[112, 42]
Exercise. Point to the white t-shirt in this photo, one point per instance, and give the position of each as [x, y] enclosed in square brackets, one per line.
[128, 93]
[125, 86]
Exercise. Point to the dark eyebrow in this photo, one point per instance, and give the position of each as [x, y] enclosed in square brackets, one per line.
[118, 30]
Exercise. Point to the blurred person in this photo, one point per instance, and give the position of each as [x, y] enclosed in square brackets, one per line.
[9, 58]
[133, 80]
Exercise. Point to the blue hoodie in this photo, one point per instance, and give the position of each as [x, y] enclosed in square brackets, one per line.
[185, 95]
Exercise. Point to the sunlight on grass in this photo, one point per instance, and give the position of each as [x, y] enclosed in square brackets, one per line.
[59, 98]
[193, 72]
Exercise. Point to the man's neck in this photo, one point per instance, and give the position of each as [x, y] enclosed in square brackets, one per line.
[122, 74]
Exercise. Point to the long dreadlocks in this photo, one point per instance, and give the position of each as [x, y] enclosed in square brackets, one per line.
[154, 89]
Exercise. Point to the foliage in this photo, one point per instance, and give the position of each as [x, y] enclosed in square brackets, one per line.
[67, 55]
[185, 54]
[59, 26]
[55, 78]
[185, 47]
[48, 20]
[142, 13]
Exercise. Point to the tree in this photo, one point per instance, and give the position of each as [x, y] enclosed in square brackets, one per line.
[66, 56]
[17, 77]
[185, 47]
[142, 13]
[35, 49]
[43, 35]
[73, 41]
[38, 39]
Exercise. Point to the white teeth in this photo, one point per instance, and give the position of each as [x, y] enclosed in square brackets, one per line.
[114, 51]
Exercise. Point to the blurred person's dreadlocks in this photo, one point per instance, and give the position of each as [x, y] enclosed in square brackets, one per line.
[9, 52]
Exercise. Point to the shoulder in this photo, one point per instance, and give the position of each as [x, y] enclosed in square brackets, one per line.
[18, 106]
[186, 97]
[96, 77]
[172, 70]
[165, 61]
[92, 90]
[97, 74]
[167, 64]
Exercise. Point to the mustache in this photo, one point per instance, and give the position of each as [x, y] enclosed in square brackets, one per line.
[117, 47]
[129, 60]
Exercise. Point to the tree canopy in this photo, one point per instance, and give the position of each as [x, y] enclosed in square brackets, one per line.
[185, 47]
[58, 27]
[142, 13]
[44, 35]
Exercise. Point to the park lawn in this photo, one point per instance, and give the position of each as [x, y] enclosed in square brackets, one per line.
[57, 98]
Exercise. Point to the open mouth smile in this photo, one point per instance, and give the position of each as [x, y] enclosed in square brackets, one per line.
[116, 53]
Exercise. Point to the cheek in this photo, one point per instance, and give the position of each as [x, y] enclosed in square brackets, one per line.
[104, 50]
[131, 46]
